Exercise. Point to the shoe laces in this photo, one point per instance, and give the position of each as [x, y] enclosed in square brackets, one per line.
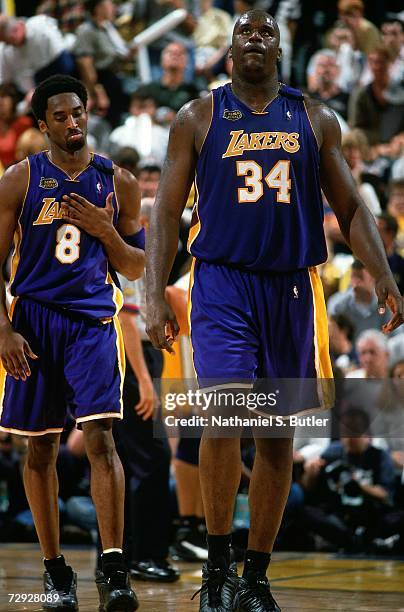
[215, 580]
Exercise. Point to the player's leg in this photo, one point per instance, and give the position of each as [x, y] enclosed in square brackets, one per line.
[95, 400]
[108, 493]
[41, 488]
[225, 352]
[36, 408]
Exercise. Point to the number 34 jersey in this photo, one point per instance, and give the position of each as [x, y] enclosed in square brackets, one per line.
[54, 261]
[259, 204]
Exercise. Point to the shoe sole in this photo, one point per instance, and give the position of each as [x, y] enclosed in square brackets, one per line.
[121, 604]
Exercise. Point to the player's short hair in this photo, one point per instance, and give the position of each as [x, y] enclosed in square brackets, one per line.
[52, 86]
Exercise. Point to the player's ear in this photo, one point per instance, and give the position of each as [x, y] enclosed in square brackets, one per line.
[230, 53]
[279, 54]
[42, 126]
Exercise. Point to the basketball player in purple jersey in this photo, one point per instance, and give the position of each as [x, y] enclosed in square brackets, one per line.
[75, 221]
[259, 153]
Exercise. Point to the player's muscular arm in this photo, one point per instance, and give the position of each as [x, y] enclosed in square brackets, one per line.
[98, 222]
[13, 347]
[186, 136]
[355, 220]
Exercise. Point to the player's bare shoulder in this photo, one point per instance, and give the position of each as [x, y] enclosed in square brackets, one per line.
[14, 184]
[194, 119]
[323, 120]
[127, 191]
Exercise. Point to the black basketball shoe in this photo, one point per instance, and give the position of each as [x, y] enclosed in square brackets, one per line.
[60, 588]
[115, 592]
[218, 588]
[255, 596]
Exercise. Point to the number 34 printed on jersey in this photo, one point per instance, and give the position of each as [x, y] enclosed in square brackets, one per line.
[277, 178]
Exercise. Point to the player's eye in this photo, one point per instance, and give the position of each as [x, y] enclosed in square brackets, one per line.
[246, 31]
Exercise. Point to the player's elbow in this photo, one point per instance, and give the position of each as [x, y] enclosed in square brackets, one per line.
[135, 267]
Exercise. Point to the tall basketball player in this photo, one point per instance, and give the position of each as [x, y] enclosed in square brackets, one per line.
[75, 220]
[259, 153]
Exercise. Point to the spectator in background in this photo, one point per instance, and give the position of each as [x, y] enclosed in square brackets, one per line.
[30, 142]
[11, 126]
[350, 494]
[395, 206]
[140, 130]
[68, 13]
[373, 108]
[388, 228]
[211, 36]
[172, 91]
[148, 177]
[100, 51]
[350, 60]
[153, 10]
[393, 39]
[353, 148]
[33, 50]
[373, 354]
[342, 350]
[323, 81]
[128, 158]
[366, 35]
[359, 302]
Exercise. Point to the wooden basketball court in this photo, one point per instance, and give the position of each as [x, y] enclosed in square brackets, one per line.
[301, 582]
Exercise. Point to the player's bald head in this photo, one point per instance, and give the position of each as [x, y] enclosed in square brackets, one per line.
[257, 15]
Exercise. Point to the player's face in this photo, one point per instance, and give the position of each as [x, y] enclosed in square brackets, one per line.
[255, 45]
[66, 122]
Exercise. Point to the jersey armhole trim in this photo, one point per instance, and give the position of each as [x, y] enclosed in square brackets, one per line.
[116, 195]
[210, 124]
[311, 125]
[15, 259]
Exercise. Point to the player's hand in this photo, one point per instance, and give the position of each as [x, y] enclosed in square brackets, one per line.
[92, 219]
[14, 350]
[148, 399]
[162, 326]
[387, 293]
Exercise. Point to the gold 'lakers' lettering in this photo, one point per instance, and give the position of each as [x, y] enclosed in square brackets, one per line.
[261, 141]
[50, 211]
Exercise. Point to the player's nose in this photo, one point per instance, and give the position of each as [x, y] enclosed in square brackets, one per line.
[71, 122]
[255, 34]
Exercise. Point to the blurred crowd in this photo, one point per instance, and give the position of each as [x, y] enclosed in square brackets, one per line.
[348, 489]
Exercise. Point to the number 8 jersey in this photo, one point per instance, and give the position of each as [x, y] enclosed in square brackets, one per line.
[258, 196]
[55, 262]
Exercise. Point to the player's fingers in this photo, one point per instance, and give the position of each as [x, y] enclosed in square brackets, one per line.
[174, 327]
[139, 405]
[395, 321]
[18, 370]
[9, 367]
[71, 205]
[108, 202]
[381, 300]
[23, 367]
[78, 199]
[147, 415]
[28, 351]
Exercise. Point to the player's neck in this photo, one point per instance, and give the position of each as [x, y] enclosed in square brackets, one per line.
[256, 95]
[71, 162]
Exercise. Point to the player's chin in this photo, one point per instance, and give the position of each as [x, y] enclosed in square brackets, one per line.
[75, 144]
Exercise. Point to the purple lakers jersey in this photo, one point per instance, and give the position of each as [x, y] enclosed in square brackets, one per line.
[55, 262]
[259, 204]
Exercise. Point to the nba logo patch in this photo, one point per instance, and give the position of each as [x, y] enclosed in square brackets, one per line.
[99, 187]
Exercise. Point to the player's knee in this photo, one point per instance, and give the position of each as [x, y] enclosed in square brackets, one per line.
[275, 450]
[42, 451]
[99, 442]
